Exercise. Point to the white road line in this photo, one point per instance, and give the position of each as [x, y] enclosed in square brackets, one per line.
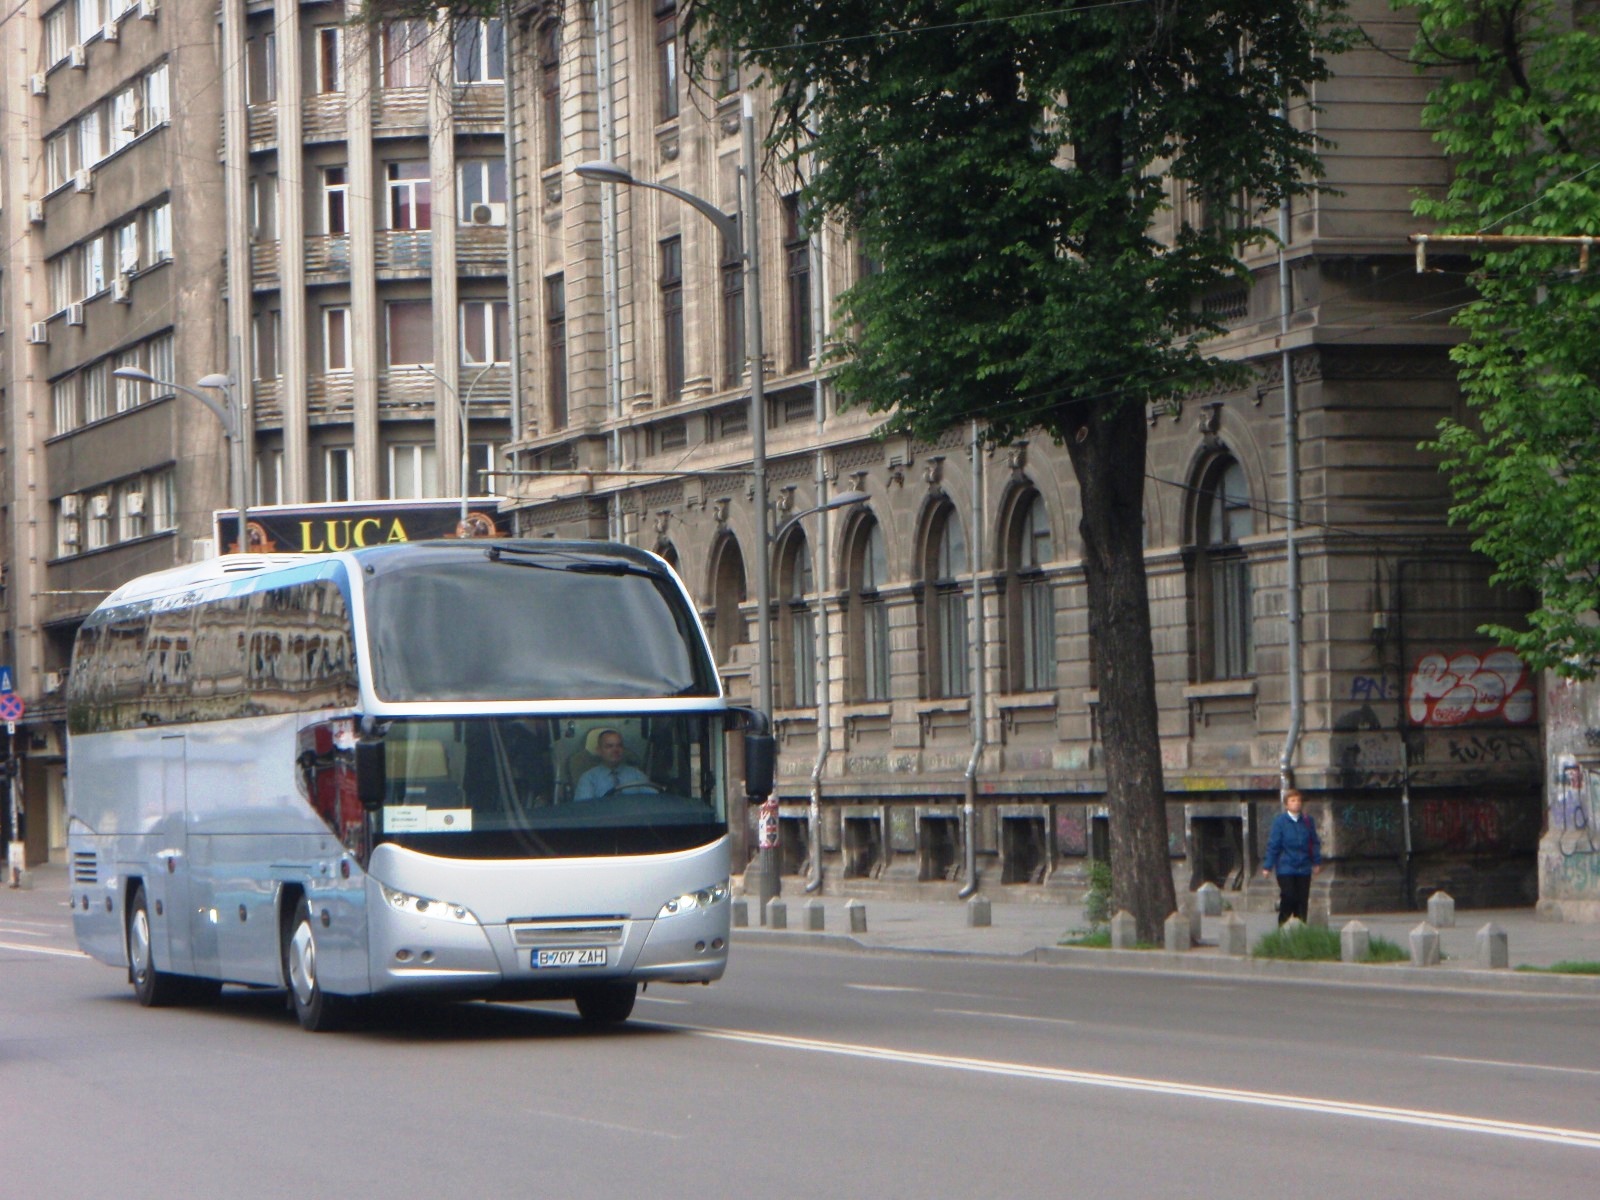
[999, 1016]
[1495, 1062]
[662, 1000]
[13, 931]
[43, 950]
[882, 987]
[1454, 1122]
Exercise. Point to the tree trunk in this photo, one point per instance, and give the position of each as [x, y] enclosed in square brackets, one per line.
[1106, 443]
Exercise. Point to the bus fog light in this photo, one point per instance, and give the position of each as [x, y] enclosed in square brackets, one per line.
[402, 956]
[694, 901]
[421, 906]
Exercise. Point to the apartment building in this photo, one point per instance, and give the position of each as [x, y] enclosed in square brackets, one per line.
[933, 639]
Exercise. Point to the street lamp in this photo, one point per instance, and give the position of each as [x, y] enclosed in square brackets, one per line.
[741, 245]
[231, 413]
[463, 405]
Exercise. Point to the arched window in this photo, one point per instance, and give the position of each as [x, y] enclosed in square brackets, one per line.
[944, 606]
[1030, 598]
[798, 679]
[727, 594]
[1223, 628]
[868, 659]
[669, 552]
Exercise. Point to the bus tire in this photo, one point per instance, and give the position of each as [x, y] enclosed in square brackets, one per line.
[154, 989]
[316, 1010]
[606, 1003]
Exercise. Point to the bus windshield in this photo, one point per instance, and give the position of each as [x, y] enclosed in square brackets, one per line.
[539, 787]
[506, 626]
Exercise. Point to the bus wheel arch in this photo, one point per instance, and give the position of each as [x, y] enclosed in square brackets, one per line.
[315, 1009]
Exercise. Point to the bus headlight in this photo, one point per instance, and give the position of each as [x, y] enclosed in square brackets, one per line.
[421, 906]
[694, 901]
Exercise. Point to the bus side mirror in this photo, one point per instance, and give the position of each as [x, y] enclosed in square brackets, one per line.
[371, 773]
[760, 760]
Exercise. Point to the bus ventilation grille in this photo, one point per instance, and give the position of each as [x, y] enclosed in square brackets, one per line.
[85, 867]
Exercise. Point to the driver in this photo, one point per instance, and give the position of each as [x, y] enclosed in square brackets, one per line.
[611, 774]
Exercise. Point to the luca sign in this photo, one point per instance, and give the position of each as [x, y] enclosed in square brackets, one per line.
[318, 528]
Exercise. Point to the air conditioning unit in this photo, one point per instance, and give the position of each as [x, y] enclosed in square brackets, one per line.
[36, 84]
[488, 214]
[108, 32]
[38, 333]
[52, 682]
[69, 505]
[134, 503]
[83, 180]
[100, 505]
[147, 10]
[75, 313]
[36, 211]
[76, 56]
[122, 290]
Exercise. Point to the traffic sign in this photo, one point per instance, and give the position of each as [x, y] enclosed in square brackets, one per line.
[5, 680]
[11, 707]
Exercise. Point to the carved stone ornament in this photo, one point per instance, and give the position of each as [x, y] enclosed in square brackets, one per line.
[719, 510]
[1017, 458]
[934, 472]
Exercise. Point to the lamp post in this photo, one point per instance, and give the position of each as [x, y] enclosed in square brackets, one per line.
[231, 413]
[463, 406]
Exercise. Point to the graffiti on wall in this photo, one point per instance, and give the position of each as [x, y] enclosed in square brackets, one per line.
[1571, 813]
[1462, 688]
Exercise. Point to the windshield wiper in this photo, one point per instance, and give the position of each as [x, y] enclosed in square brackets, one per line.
[582, 566]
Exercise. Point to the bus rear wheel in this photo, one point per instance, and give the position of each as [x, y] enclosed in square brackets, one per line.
[315, 1009]
[606, 1003]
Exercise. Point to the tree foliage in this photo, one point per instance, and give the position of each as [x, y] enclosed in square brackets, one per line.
[1008, 171]
[1518, 110]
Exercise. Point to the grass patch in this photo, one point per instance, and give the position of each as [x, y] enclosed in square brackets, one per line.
[1565, 968]
[1097, 939]
[1311, 943]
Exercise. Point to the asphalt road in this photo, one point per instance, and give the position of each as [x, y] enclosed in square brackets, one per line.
[804, 1073]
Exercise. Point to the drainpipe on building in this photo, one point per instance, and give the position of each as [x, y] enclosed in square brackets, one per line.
[609, 258]
[969, 811]
[820, 558]
[513, 292]
[1291, 508]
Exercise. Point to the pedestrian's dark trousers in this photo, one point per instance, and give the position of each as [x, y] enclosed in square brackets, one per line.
[1294, 895]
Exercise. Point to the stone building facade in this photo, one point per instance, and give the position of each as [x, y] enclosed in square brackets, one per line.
[938, 630]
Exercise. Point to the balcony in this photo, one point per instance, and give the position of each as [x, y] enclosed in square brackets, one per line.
[407, 251]
[400, 112]
[330, 399]
[263, 125]
[322, 118]
[264, 266]
[481, 250]
[327, 255]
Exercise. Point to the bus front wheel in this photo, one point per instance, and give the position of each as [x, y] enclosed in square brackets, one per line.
[606, 1003]
[316, 1010]
[155, 989]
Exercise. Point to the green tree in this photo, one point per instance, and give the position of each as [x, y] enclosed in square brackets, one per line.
[1008, 171]
[1519, 113]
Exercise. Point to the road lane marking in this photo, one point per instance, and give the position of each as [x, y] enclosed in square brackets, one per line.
[882, 987]
[1495, 1062]
[42, 950]
[662, 1000]
[1454, 1122]
[12, 931]
[998, 1016]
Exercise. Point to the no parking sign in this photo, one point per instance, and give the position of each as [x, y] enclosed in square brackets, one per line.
[11, 707]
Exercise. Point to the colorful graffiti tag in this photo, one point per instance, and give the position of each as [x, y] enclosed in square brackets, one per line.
[1448, 689]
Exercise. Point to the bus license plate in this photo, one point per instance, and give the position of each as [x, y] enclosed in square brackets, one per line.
[573, 956]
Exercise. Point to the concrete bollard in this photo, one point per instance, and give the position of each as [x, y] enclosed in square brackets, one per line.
[740, 913]
[857, 912]
[978, 915]
[1442, 910]
[1355, 942]
[777, 913]
[1191, 913]
[1124, 931]
[1424, 946]
[1494, 948]
[1292, 924]
[1176, 930]
[1318, 912]
[1208, 897]
[1235, 938]
[815, 919]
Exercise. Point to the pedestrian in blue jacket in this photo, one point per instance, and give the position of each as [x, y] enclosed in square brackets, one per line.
[1295, 852]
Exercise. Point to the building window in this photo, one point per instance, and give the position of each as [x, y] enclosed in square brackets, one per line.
[335, 339]
[269, 477]
[261, 68]
[56, 35]
[335, 200]
[60, 274]
[161, 364]
[58, 160]
[405, 53]
[480, 468]
[91, 146]
[158, 233]
[267, 328]
[735, 355]
[797, 258]
[64, 405]
[413, 471]
[944, 601]
[126, 240]
[1030, 598]
[124, 118]
[672, 317]
[485, 332]
[555, 342]
[410, 195]
[338, 473]
[799, 644]
[410, 330]
[727, 598]
[125, 392]
[483, 191]
[264, 208]
[93, 254]
[330, 59]
[550, 93]
[96, 392]
[130, 511]
[157, 105]
[666, 60]
[1223, 631]
[480, 51]
[160, 500]
[869, 619]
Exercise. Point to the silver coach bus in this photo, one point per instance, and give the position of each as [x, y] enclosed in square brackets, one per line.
[488, 769]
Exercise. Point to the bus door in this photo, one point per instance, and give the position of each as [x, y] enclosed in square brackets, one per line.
[168, 883]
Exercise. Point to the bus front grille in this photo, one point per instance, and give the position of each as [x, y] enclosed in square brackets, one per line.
[540, 934]
[85, 866]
